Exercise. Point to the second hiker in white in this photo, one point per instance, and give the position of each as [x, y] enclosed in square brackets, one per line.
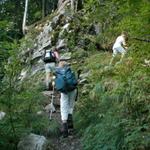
[119, 47]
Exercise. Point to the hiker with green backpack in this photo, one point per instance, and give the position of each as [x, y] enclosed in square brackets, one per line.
[66, 84]
[50, 58]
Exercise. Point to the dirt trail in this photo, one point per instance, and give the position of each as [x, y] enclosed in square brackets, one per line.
[60, 143]
[72, 142]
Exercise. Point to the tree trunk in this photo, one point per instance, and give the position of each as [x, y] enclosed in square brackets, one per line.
[141, 39]
[43, 9]
[25, 17]
[59, 3]
[72, 5]
[80, 4]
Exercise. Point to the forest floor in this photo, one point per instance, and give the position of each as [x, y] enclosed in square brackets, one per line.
[72, 142]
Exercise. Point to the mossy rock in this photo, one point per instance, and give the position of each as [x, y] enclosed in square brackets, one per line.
[79, 53]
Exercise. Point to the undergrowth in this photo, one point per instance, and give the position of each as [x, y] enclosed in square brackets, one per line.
[114, 113]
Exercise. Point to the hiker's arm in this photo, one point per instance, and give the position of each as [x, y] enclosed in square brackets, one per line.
[57, 56]
[124, 43]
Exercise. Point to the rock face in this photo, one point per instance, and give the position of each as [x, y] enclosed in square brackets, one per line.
[32, 52]
[52, 33]
[33, 142]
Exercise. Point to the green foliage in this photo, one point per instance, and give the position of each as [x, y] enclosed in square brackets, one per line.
[20, 102]
[79, 54]
[114, 115]
[53, 129]
[12, 12]
[21, 117]
[6, 43]
[115, 112]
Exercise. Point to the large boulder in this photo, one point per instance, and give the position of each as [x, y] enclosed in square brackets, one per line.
[33, 142]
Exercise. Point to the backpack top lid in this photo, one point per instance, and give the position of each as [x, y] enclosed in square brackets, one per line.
[49, 56]
[47, 53]
[65, 79]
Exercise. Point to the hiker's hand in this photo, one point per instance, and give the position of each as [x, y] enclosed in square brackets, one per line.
[54, 77]
[53, 83]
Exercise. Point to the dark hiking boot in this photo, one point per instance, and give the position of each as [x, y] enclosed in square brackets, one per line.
[50, 87]
[65, 130]
[70, 121]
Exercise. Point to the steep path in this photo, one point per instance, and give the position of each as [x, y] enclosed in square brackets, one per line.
[59, 143]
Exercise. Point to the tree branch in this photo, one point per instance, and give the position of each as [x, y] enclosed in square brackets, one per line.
[139, 39]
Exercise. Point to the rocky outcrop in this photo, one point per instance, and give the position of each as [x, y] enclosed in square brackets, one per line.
[32, 49]
[61, 44]
[33, 142]
[56, 32]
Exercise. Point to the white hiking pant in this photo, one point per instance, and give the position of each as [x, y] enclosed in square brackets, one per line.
[67, 102]
[118, 50]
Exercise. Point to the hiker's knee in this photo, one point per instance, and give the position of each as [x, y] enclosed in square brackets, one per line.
[114, 55]
[64, 114]
[123, 54]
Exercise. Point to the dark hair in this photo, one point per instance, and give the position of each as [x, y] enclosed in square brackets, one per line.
[54, 49]
[124, 33]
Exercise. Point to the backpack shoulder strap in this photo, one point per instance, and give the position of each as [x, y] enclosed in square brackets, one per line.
[59, 71]
[44, 52]
[43, 56]
[53, 53]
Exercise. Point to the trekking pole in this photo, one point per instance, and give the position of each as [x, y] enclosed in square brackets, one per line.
[52, 100]
[78, 77]
[78, 73]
